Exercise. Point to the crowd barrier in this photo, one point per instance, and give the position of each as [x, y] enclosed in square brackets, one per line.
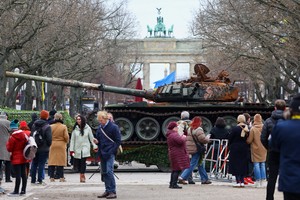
[216, 159]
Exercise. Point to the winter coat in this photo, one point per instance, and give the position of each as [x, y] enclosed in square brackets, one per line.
[16, 144]
[4, 135]
[239, 152]
[106, 148]
[258, 151]
[219, 133]
[81, 144]
[178, 155]
[268, 126]
[47, 134]
[190, 143]
[58, 148]
[286, 140]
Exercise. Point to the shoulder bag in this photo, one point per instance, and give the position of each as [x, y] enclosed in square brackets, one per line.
[120, 149]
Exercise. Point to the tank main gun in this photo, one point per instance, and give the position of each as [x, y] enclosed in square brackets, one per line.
[199, 88]
[79, 84]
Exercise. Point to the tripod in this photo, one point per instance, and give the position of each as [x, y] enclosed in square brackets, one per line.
[99, 169]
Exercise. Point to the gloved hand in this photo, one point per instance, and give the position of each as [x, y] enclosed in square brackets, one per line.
[72, 153]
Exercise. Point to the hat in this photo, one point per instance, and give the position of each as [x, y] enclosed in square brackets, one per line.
[14, 124]
[295, 104]
[172, 125]
[34, 116]
[52, 112]
[3, 115]
[241, 119]
[257, 118]
[23, 125]
[44, 114]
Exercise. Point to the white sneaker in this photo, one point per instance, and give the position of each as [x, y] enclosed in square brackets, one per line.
[257, 183]
[242, 185]
[236, 185]
[263, 183]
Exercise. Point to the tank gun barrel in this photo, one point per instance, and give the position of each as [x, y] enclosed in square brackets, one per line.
[74, 83]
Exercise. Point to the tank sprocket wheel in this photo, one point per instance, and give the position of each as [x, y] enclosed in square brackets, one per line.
[230, 121]
[166, 122]
[206, 125]
[147, 128]
[126, 128]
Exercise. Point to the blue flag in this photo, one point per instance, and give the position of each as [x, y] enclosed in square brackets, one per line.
[167, 80]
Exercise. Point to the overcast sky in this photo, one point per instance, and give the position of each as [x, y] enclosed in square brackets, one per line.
[175, 12]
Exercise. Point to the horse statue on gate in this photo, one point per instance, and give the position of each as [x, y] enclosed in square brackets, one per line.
[160, 27]
[170, 30]
[149, 29]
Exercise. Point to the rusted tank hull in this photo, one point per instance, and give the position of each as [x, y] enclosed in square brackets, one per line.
[143, 123]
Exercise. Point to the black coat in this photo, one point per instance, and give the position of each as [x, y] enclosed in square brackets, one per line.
[239, 152]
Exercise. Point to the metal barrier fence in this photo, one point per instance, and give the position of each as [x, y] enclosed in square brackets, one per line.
[216, 159]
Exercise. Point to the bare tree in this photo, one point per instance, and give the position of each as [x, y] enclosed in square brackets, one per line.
[67, 39]
[258, 40]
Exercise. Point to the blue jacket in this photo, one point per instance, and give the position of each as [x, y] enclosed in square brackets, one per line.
[286, 139]
[106, 148]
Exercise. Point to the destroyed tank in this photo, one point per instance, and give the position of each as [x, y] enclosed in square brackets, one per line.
[146, 122]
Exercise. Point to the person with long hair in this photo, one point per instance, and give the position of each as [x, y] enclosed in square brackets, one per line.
[195, 133]
[80, 145]
[58, 153]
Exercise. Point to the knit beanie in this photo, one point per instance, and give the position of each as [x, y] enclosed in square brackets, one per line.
[14, 124]
[295, 104]
[241, 119]
[44, 114]
[172, 125]
[23, 125]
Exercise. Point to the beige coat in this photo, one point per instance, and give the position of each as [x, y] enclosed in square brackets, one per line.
[200, 135]
[58, 148]
[258, 151]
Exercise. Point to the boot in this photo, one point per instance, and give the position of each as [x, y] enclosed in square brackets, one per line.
[82, 178]
[62, 180]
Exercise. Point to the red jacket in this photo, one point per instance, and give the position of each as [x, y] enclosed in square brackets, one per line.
[15, 144]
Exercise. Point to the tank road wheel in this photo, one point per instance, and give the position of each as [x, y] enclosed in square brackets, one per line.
[126, 128]
[166, 122]
[206, 125]
[230, 122]
[147, 128]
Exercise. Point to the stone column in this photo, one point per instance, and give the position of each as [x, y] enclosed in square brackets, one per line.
[172, 67]
[192, 68]
[146, 76]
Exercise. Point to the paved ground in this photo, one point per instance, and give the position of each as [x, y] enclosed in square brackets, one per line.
[136, 186]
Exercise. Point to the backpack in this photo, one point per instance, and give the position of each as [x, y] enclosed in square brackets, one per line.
[38, 135]
[30, 148]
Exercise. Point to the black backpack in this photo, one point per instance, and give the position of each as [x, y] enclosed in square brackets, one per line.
[39, 135]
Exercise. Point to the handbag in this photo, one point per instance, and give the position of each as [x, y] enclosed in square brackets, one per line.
[120, 148]
[200, 147]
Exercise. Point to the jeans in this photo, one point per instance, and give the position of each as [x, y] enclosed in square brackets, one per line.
[202, 172]
[107, 171]
[195, 162]
[259, 170]
[38, 163]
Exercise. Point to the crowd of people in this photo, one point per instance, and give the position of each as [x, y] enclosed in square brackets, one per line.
[52, 139]
[250, 143]
[260, 151]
